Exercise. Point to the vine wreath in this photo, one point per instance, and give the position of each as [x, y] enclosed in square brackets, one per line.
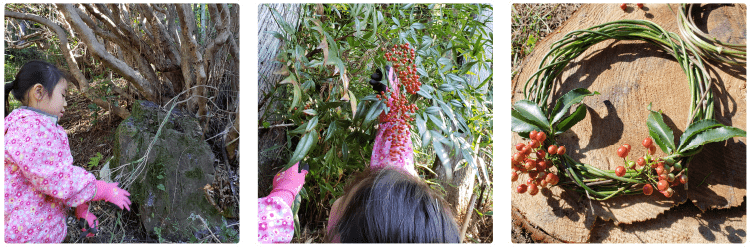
[533, 119]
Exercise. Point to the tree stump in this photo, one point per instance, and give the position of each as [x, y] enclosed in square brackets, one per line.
[630, 75]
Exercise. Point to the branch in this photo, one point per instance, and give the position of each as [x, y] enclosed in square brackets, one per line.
[72, 64]
[190, 54]
[87, 36]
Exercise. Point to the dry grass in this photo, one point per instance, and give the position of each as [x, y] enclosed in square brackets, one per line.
[531, 23]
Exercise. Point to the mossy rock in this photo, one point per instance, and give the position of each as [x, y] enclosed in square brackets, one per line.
[168, 187]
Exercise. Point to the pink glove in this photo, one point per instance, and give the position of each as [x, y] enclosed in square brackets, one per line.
[82, 212]
[111, 193]
[287, 184]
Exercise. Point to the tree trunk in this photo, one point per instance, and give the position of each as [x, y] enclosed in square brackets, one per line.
[268, 47]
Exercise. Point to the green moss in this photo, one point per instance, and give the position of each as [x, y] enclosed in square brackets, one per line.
[196, 173]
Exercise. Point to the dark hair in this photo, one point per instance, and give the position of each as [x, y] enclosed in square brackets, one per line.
[391, 206]
[32, 73]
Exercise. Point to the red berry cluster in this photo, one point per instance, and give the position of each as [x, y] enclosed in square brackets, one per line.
[538, 167]
[400, 111]
[664, 168]
[402, 56]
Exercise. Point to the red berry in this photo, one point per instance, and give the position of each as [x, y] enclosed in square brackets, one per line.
[561, 150]
[520, 146]
[530, 165]
[513, 176]
[534, 144]
[648, 189]
[641, 161]
[552, 149]
[526, 150]
[540, 154]
[623, 6]
[640, 5]
[543, 165]
[518, 157]
[627, 146]
[659, 170]
[533, 189]
[622, 152]
[652, 150]
[683, 179]
[551, 179]
[668, 192]
[620, 171]
[541, 136]
[530, 181]
[532, 175]
[648, 142]
[662, 185]
[543, 183]
[532, 134]
[521, 189]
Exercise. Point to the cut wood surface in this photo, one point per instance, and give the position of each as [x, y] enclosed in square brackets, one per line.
[630, 75]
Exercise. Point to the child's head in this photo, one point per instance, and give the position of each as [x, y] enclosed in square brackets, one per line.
[391, 206]
[40, 85]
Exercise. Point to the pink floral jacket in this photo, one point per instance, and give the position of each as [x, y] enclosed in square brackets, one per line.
[40, 179]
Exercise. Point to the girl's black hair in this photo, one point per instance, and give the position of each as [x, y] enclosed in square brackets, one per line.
[390, 206]
[32, 73]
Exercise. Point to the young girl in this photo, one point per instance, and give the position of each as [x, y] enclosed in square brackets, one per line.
[387, 203]
[40, 179]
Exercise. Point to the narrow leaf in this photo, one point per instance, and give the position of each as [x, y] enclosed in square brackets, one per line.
[572, 119]
[695, 128]
[566, 101]
[660, 132]
[304, 145]
[531, 112]
[311, 124]
[521, 125]
[713, 135]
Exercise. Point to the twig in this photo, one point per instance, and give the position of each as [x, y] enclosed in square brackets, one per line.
[467, 217]
[208, 228]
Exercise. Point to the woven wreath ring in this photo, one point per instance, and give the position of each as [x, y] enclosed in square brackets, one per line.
[530, 115]
[539, 86]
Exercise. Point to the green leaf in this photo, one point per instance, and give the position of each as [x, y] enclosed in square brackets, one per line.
[310, 112]
[344, 152]
[447, 87]
[660, 132]
[374, 112]
[433, 110]
[713, 135]
[161, 187]
[398, 24]
[305, 143]
[331, 130]
[532, 113]
[311, 124]
[417, 25]
[566, 101]
[572, 119]
[695, 128]
[277, 35]
[521, 125]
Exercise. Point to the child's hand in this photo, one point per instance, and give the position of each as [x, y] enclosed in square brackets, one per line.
[82, 212]
[286, 184]
[111, 193]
